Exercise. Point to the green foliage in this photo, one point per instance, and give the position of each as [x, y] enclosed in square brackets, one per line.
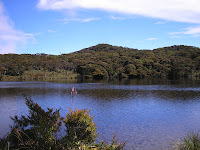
[4, 142]
[113, 146]
[39, 128]
[105, 61]
[38, 131]
[80, 128]
[191, 142]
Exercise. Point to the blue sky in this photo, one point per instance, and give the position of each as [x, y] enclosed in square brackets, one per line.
[64, 26]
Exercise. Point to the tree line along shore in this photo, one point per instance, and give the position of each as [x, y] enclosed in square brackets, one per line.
[104, 61]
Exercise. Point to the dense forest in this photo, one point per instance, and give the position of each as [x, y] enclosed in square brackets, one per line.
[105, 61]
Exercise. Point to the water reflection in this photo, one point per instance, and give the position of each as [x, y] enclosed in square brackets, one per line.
[147, 114]
[126, 94]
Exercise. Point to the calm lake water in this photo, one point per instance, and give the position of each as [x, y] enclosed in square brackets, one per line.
[146, 114]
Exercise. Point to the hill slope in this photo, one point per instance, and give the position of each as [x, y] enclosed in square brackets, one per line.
[107, 61]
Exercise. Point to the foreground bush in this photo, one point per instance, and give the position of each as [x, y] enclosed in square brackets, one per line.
[191, 142]
[80, 128]
[113, 146]
[39, 131]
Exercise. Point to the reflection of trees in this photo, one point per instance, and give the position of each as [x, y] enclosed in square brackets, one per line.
[106, 94]
[138, 89]
[116, 94]
[10, 92]
[177, 95]
[155, 81]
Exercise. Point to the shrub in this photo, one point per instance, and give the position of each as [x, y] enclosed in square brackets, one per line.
[191, 142]
[38, 130]
[80, 128]
[113, 146]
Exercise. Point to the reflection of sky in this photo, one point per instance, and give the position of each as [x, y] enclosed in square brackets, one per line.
[145, 116]
[10, 106]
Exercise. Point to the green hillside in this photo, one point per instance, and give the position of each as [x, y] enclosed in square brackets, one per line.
[105, 61]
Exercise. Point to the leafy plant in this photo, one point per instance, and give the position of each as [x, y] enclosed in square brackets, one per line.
[80, 128]
[39, 128]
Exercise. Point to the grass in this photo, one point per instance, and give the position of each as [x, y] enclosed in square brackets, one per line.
[191, 142]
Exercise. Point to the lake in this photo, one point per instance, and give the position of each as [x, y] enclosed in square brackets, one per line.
[146, 114]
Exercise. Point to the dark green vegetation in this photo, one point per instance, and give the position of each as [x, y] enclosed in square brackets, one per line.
[104, 61]
[39, 130]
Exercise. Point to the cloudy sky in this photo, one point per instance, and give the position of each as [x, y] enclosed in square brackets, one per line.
[64, 26]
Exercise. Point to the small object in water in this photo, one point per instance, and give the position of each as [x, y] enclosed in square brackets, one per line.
[73, 92]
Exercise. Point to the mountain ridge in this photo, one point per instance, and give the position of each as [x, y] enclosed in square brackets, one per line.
[108, 47]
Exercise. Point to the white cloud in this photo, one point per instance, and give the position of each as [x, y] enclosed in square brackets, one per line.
[173, 10]
[51, 31]
[67, 20]
[121, 18]
[194, 31]
[161, 22]
[31, 34]
[117, 18]
[10, 38]
[151, 39]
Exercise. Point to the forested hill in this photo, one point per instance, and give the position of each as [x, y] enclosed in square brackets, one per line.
[107, 61]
